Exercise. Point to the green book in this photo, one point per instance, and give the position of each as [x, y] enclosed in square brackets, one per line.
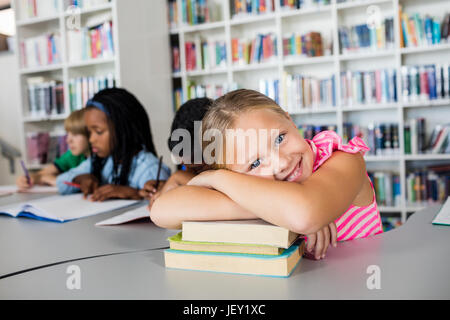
[176, 243]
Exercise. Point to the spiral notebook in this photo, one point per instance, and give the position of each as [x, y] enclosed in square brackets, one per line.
[62, 208]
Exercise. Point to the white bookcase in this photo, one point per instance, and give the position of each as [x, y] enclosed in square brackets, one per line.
[326, 19]
[140, 63]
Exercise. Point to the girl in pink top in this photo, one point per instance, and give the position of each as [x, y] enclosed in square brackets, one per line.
[318, 188]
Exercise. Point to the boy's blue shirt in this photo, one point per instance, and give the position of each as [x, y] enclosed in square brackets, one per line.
[144, 167]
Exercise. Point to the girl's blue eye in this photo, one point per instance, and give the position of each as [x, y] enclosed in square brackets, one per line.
[255, 164]
[280, 138]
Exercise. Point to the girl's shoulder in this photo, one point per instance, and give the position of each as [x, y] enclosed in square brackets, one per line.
[326, 142]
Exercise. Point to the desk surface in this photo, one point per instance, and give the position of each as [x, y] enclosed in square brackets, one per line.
[414, 262]
[28, 243]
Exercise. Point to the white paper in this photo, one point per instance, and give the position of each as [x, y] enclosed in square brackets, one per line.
[35, 189]
[64, 208]
[138, 213]
[443, 217]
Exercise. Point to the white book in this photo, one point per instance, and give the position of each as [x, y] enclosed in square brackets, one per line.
[443, 216]
[62, 208]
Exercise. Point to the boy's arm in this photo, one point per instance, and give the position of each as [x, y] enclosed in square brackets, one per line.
[195, 203]
[301, 207]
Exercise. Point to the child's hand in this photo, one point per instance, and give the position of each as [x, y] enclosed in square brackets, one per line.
[22, 182]
[110, 191]
[321, 240]
[204, 179]
[149, 189]
[88, 183]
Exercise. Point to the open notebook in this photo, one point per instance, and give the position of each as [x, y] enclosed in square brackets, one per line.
[62, 208]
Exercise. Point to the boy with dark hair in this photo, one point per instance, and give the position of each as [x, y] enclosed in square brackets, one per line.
[185, 118]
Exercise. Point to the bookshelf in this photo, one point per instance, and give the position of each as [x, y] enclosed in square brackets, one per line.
[326, 19]
[124, 63]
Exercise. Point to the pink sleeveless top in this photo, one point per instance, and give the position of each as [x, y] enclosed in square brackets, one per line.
[356, 222]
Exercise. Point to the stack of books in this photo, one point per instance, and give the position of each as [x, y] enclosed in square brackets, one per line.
[260, 49]
[252, 247]
[361, 38]
[245, 7]
[368, 87]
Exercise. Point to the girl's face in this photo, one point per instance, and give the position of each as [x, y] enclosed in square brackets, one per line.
[99, 132]
[280, 153]
[78, 143]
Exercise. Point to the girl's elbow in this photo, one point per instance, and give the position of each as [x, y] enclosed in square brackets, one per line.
[160, 216]
[301, 220]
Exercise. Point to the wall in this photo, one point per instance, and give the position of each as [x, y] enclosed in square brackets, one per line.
[10, 125]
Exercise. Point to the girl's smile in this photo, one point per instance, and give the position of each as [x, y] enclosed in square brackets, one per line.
[285, 156]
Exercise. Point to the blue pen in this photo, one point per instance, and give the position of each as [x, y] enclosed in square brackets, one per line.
[27, 174]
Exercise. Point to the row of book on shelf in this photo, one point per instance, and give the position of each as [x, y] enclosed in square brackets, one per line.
[44, 147]
[194, 12]
[307, 45]
[86, 4]
[42, 50]
[91, 42]
[262, 48]
[82, 89]
[368, 87]
[194, 90]
[364, 37]
[201, 55]
[425, 82]
[46, 8]
[301, 92]
[244, 8]
[416, 141]
[37, 8]
[387, 189]
[427, 185]
[419, 31]
[45, 97]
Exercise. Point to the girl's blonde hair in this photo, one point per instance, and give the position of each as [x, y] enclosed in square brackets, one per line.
[226, 109]
[74, 123]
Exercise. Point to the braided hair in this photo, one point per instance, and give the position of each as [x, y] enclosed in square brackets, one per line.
[129, 126]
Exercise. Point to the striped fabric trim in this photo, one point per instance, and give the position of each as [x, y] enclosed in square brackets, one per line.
[356, 222]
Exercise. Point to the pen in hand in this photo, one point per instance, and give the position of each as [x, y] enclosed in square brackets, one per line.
[27, 174]
[158, 174]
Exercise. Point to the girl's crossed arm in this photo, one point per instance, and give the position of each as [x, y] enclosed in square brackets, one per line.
[303, 207]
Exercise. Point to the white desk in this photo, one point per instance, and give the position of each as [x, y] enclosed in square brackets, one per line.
[414, 261]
